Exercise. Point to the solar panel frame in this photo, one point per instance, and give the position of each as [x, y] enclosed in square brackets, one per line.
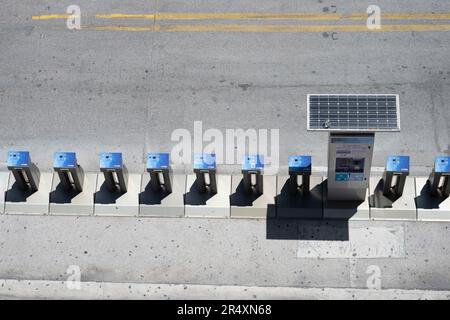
[370, 113]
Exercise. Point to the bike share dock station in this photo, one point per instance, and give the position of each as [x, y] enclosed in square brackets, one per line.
[433, 193]
[162, 192]
[28, 188]
[351, 121]
[253, 193]
[72, 189]
[117, 191]
[299, 195]
[207, 193]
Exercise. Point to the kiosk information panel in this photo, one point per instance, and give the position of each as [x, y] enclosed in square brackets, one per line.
[349, 161]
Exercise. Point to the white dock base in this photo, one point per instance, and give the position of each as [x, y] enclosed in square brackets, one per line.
[252, 205]
[430, 208]
[4, 180]
[114, 204]
[203, 204]
[24, 202]
[72, 203]
[382, 208]
[161, 204]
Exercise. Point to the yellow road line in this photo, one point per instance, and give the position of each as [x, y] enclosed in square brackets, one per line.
[298, 16]
[257, 16]
[149, 16]
[51, 16]
[121, 28]
[273, 28]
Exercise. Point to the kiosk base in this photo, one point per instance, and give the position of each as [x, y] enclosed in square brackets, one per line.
[345, 209]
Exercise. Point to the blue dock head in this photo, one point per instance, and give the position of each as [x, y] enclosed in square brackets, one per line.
[64, 160]
[18, 159]
[398, 164]
[157, 161]
[111, 160]
[204, 161]
[252, 162]
[442, 164]
[300, 165]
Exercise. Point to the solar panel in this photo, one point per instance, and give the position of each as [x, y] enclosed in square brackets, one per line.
[356, 112]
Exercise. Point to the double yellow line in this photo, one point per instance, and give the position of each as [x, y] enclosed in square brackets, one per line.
[249, 16]
[256, 16]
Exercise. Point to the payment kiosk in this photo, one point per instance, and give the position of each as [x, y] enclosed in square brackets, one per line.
[352, 121]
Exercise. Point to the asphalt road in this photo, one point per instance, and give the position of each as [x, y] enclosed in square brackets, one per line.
[93, 90]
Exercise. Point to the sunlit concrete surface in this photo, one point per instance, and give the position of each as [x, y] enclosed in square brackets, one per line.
[36, 289]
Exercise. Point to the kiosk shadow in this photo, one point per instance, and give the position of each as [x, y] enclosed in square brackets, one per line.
[150, 197]
[242, 199]
[105, 196]
[426, 201]
[59, 195]
[196, 198]
[15, 194]
[324, 229]
[301, 229]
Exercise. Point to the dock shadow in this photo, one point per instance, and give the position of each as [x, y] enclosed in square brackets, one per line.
[379, 200]
[105, 196]
[426, 201]
[150, 197]
[242, 199]
[16, 194]
[59, 195]
[196, 198]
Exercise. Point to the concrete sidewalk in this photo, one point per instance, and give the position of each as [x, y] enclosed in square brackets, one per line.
[230, 252]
